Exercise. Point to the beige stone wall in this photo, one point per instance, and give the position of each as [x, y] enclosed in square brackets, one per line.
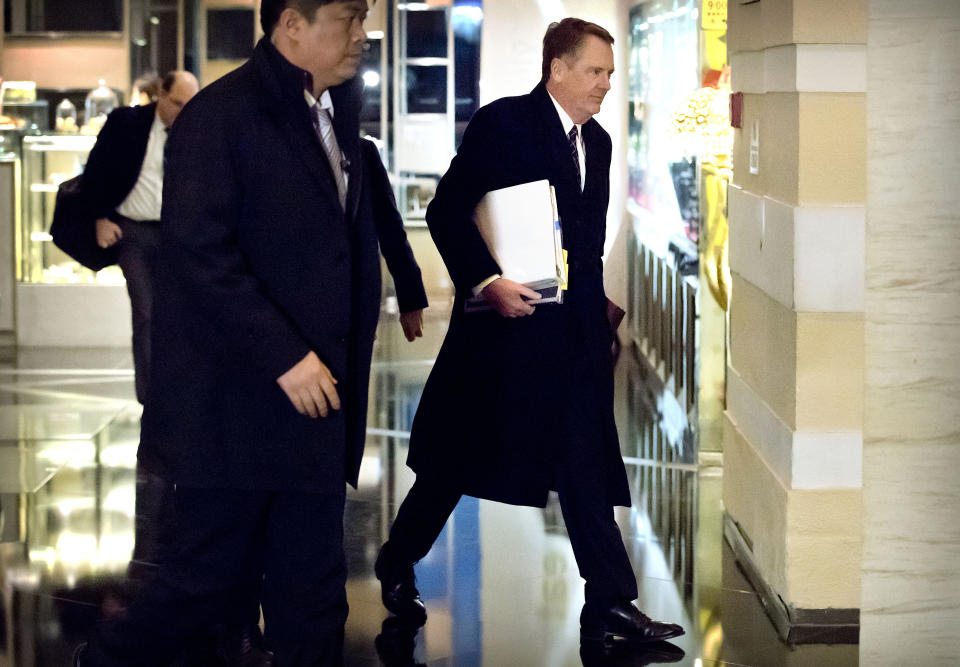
[910, 610]
[793, 438]
[67, 63]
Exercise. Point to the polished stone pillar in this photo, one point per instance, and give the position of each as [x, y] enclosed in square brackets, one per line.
[911, 565]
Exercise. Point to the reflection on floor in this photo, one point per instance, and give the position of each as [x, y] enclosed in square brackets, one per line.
[501, 584]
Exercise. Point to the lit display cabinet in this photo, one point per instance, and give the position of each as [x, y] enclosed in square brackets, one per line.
[59, 303]
[48, 160]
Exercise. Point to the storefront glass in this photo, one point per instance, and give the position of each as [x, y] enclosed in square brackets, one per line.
[664, 70]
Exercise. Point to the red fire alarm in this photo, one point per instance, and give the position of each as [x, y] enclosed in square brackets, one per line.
[736, 110]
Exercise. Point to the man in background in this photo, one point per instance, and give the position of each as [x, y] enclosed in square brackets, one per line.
[122, 181]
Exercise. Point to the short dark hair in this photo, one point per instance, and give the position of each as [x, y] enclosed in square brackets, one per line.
[270, 11]
[566, 38]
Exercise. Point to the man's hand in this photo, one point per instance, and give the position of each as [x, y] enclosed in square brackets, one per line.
[507, 297]
[412, 324]
[310, 387]
[108, 232]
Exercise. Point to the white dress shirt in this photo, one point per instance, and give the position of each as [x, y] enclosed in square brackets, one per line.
[143, 202]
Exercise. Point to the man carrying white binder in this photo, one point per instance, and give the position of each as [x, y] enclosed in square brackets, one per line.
[520, 400]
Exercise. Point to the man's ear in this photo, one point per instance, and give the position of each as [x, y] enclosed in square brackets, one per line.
[290, 22]
[557, 69]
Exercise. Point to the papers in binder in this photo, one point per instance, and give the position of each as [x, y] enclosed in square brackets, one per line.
[521, 227]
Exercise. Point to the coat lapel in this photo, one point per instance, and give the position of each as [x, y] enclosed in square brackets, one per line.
[291, 112]
[563, 173]
[595, 170]
[552, 137]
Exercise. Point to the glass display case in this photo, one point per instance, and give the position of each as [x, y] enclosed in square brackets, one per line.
[47, 161]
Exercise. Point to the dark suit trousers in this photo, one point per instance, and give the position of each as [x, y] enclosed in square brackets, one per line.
[294, 539]
[136, 255]
[594, 535]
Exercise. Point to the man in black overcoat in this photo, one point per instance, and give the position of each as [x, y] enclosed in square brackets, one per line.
[264, 323]
[520, 400]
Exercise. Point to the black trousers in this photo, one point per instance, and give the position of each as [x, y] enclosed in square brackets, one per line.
[594, 535]
[137, 256]
[294, 539]
[154, 523]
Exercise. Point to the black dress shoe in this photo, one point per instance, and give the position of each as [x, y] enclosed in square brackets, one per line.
[595, 654]
[398, 588]
[396, 643]
[242, 646]
[622, 622]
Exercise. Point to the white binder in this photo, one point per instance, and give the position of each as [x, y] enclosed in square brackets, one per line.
[521, 227]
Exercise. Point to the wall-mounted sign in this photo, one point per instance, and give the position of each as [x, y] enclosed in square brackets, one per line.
[713, 14]
[755, 146]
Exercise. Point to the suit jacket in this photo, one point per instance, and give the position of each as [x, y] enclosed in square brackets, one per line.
[512, 403]
[393, 239]
[112, 170]
[114, 163]
[261, 266]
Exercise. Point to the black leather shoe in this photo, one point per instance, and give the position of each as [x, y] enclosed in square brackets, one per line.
[396, 643]
[595, 654]
[398, 588]
[242, 646]
[622, 622]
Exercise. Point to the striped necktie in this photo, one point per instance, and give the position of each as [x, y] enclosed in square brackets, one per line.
[323, 123]
[575, 154]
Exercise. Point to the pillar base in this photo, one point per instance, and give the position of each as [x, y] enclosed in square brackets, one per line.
[795, 626]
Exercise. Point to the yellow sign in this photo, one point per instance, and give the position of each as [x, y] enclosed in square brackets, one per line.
[714, 14]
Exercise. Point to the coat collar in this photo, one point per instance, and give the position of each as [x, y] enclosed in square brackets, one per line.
[282, 84]
[552, 134]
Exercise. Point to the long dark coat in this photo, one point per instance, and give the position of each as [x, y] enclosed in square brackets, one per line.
[511, 403]
[260, 265]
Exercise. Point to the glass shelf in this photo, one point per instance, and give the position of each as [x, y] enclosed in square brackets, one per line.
[48, 160]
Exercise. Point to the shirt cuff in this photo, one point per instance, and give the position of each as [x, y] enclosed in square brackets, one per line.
[479, 288]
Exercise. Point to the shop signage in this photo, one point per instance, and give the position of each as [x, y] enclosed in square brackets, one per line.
[714, 14]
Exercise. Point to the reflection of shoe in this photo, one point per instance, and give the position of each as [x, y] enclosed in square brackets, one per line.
[398, 588]
[242, 646]
[396, 642]
[622, 622]
[594, 654]
[78, 653]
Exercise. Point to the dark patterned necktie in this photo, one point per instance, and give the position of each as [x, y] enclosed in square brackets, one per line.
[575, 154]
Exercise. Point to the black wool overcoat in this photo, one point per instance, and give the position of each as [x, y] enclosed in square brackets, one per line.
[512, 403]
[259, 265]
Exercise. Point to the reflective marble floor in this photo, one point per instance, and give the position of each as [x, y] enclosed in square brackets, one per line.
[501, 584]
